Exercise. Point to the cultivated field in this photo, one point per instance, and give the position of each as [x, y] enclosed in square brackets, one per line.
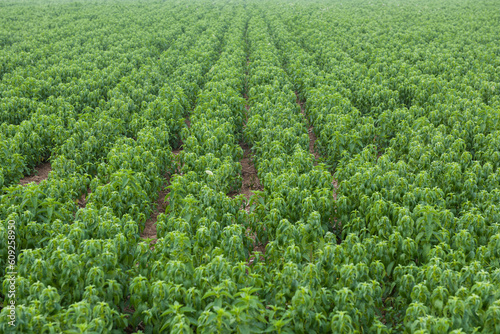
[250, 166]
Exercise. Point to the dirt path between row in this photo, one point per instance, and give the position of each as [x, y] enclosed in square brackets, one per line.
[82, 201]
[41, 173]
[250, 183]
[149, 231]
[312, 141]
[249, 174]
[310, 130]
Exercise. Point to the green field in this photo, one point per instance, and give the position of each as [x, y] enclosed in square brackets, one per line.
[250, 166]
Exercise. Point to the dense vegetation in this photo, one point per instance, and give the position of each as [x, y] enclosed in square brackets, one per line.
[403, 97]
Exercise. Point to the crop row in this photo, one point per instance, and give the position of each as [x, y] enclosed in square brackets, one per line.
[198, 261]
[407, 122]
[76, 105]
[418, 175]
[76, 263]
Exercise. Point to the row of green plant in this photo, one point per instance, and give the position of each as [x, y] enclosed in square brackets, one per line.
[76, 264]
[195, 278]
[50, 100]
[404, 103]
[410, 136]
[316, 285]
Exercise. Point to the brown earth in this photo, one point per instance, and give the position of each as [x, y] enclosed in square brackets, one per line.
[249, 174]
[250, 183]
[149, 231]
[335, 186]
[312, 141]
[250, 180]
[82, 201]
[310, 130]
[41, 173]
[177, 151]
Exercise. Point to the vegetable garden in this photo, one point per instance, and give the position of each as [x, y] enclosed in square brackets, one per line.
[384, 219]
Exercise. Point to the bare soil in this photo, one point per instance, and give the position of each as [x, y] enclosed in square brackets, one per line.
[335, 186]
[41, 173]
[312, 141]
[249, 173]
[177, 151]
[82, 201]
[310, 130]
[149, 231]
[250, 183]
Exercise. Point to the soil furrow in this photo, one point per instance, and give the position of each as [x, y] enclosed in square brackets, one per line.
[41, 173]
[82, 201]
[149, 231]
[310, 131]
[249, 174]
